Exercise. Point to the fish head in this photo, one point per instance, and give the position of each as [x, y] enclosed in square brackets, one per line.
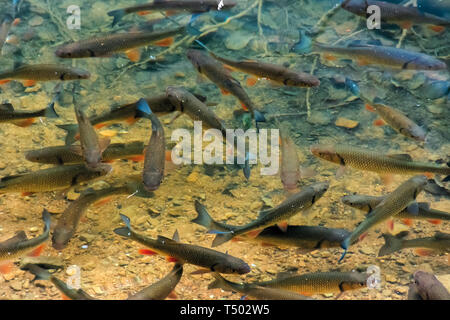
[152, 180]
[195, 56]
[424, 281]
[425, 63]
[61, 237]
[72, 50]
[326, 152]
[231, 265]
[77, 74]
[354, 200]
[355, 281]
[176, 96]
[33, 156]
[355, 6]
[417, 133]
[418, 184]
[320, 188]
[93, 158]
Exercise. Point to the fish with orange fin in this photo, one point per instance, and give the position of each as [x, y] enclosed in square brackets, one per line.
[30, 74]
[368, 203]
[68, 293]
[273, 72]
[366, 54]
[215, 71]
[22, 118]
[398, 121]
[171, 7]
[161, 289]
[400, 15]
[402, 197]
[440, 242]
[427, 287]
[276, 216]
[115, 43]
[208, 259]
[19, 245]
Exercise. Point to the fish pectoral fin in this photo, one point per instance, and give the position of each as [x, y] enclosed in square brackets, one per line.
[104, 143]
[37, 252]
[283, 226]
[147, 252]
[173, 295]
[134, 55]
[379, 123]
[390, 224]
[423, 252]
[24, 123]
[362, 62]
[413, 208]
[407, 222]
[224, 92]
[76, 150]
[164, 42]
[176, 236]
[29, 83]
[251, 81]
[171, 259]
[436, 28]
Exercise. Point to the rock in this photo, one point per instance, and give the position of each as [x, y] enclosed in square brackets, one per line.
[179, 74]
[390, 278]
[319, 118]
[98, 185]
[36, 21]
[193, 177]
[237, 40]
[86, 237]
[34, 229]
[9, 276]
[16, 285]
[346, 123]
[43, 261]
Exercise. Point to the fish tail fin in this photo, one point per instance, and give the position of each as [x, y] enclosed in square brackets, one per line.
[50, 111]
[124, 231]
[391, 244]
[203, 218]
[218, 283]
[258, 116]
[71, 129]
[221, 237]
[47, 220]
[117, 15]
[201, 44]
[39, 273]
[143, 109]
[344, 245]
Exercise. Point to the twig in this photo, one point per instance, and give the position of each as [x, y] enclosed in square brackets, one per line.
[402, 37]
[348, 36]
[260, 3]
[308, 91]
[326, 16]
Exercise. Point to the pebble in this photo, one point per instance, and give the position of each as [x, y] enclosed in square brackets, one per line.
[44, 261]
[9, 276]
[390, 278]
[193, 177]
[33, 229]
[36, 21]
[16, 285]
[86, 237]
[346, 123]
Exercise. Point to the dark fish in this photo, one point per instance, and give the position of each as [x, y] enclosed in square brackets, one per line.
[56, 178]
[429, 287]
[22, 118]
[194, 6]
[91, 146]
[65, 155]
[161, 289]
[394, 203]
[215, 71]
[439, 242]
[255, 291]
[67, 292]
[384, 56]
[211, 260]
[68, 222]
[155, 153]
[278, 215]
[114, 43]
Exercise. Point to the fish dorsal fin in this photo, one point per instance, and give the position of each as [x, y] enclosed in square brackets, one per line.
[442, 236]
[6, 107]
[165, 240]
[402, 234]
[176, 236]
[20, 235]
[401, 156]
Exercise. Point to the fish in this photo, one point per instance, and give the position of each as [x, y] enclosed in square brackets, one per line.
[375, 161]
[429, 287]
[398, 121]
[290, 164]
[368, 203]
[307, 238]
[440, 242]
[186, 102]
[4, 30]
[274, 72]
[30, 74]
[194, 6]
[19, 245]
[91, 147]
[116, 43]
[68, 222]
[160, 105]
[161, 289]
[51, 179]
[216, 72]
[278, 215]
[403, 16]
[68, 293]
[254, 291]
[25, 118]
[402, 197]
[209, 259]
[155, 153]
[392, 57]
[63, 155]
[319, 282]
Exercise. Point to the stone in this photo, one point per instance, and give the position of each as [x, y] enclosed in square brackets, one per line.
[36, 21]
[346, 123]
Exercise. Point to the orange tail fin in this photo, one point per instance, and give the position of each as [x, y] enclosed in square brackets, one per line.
[37, 252]
[147, 252]
[165, 42]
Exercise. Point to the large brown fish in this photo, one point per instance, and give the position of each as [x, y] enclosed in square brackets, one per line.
[155, 153]
[274, 72]
[215, 71]
[403, 16]
[365, 159]
[394, 203]
[319, 282]
[194, 6]
[398, 121]
[68, 222]
[56, 178]
[114, 43]
[255, 291]
[65, 154]
[43, 72]
[161, 289]
[211, 260]
[19, 245]
[91, 146]
[385, 56]
[22, 118]
[429, 287]
[278, 215]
